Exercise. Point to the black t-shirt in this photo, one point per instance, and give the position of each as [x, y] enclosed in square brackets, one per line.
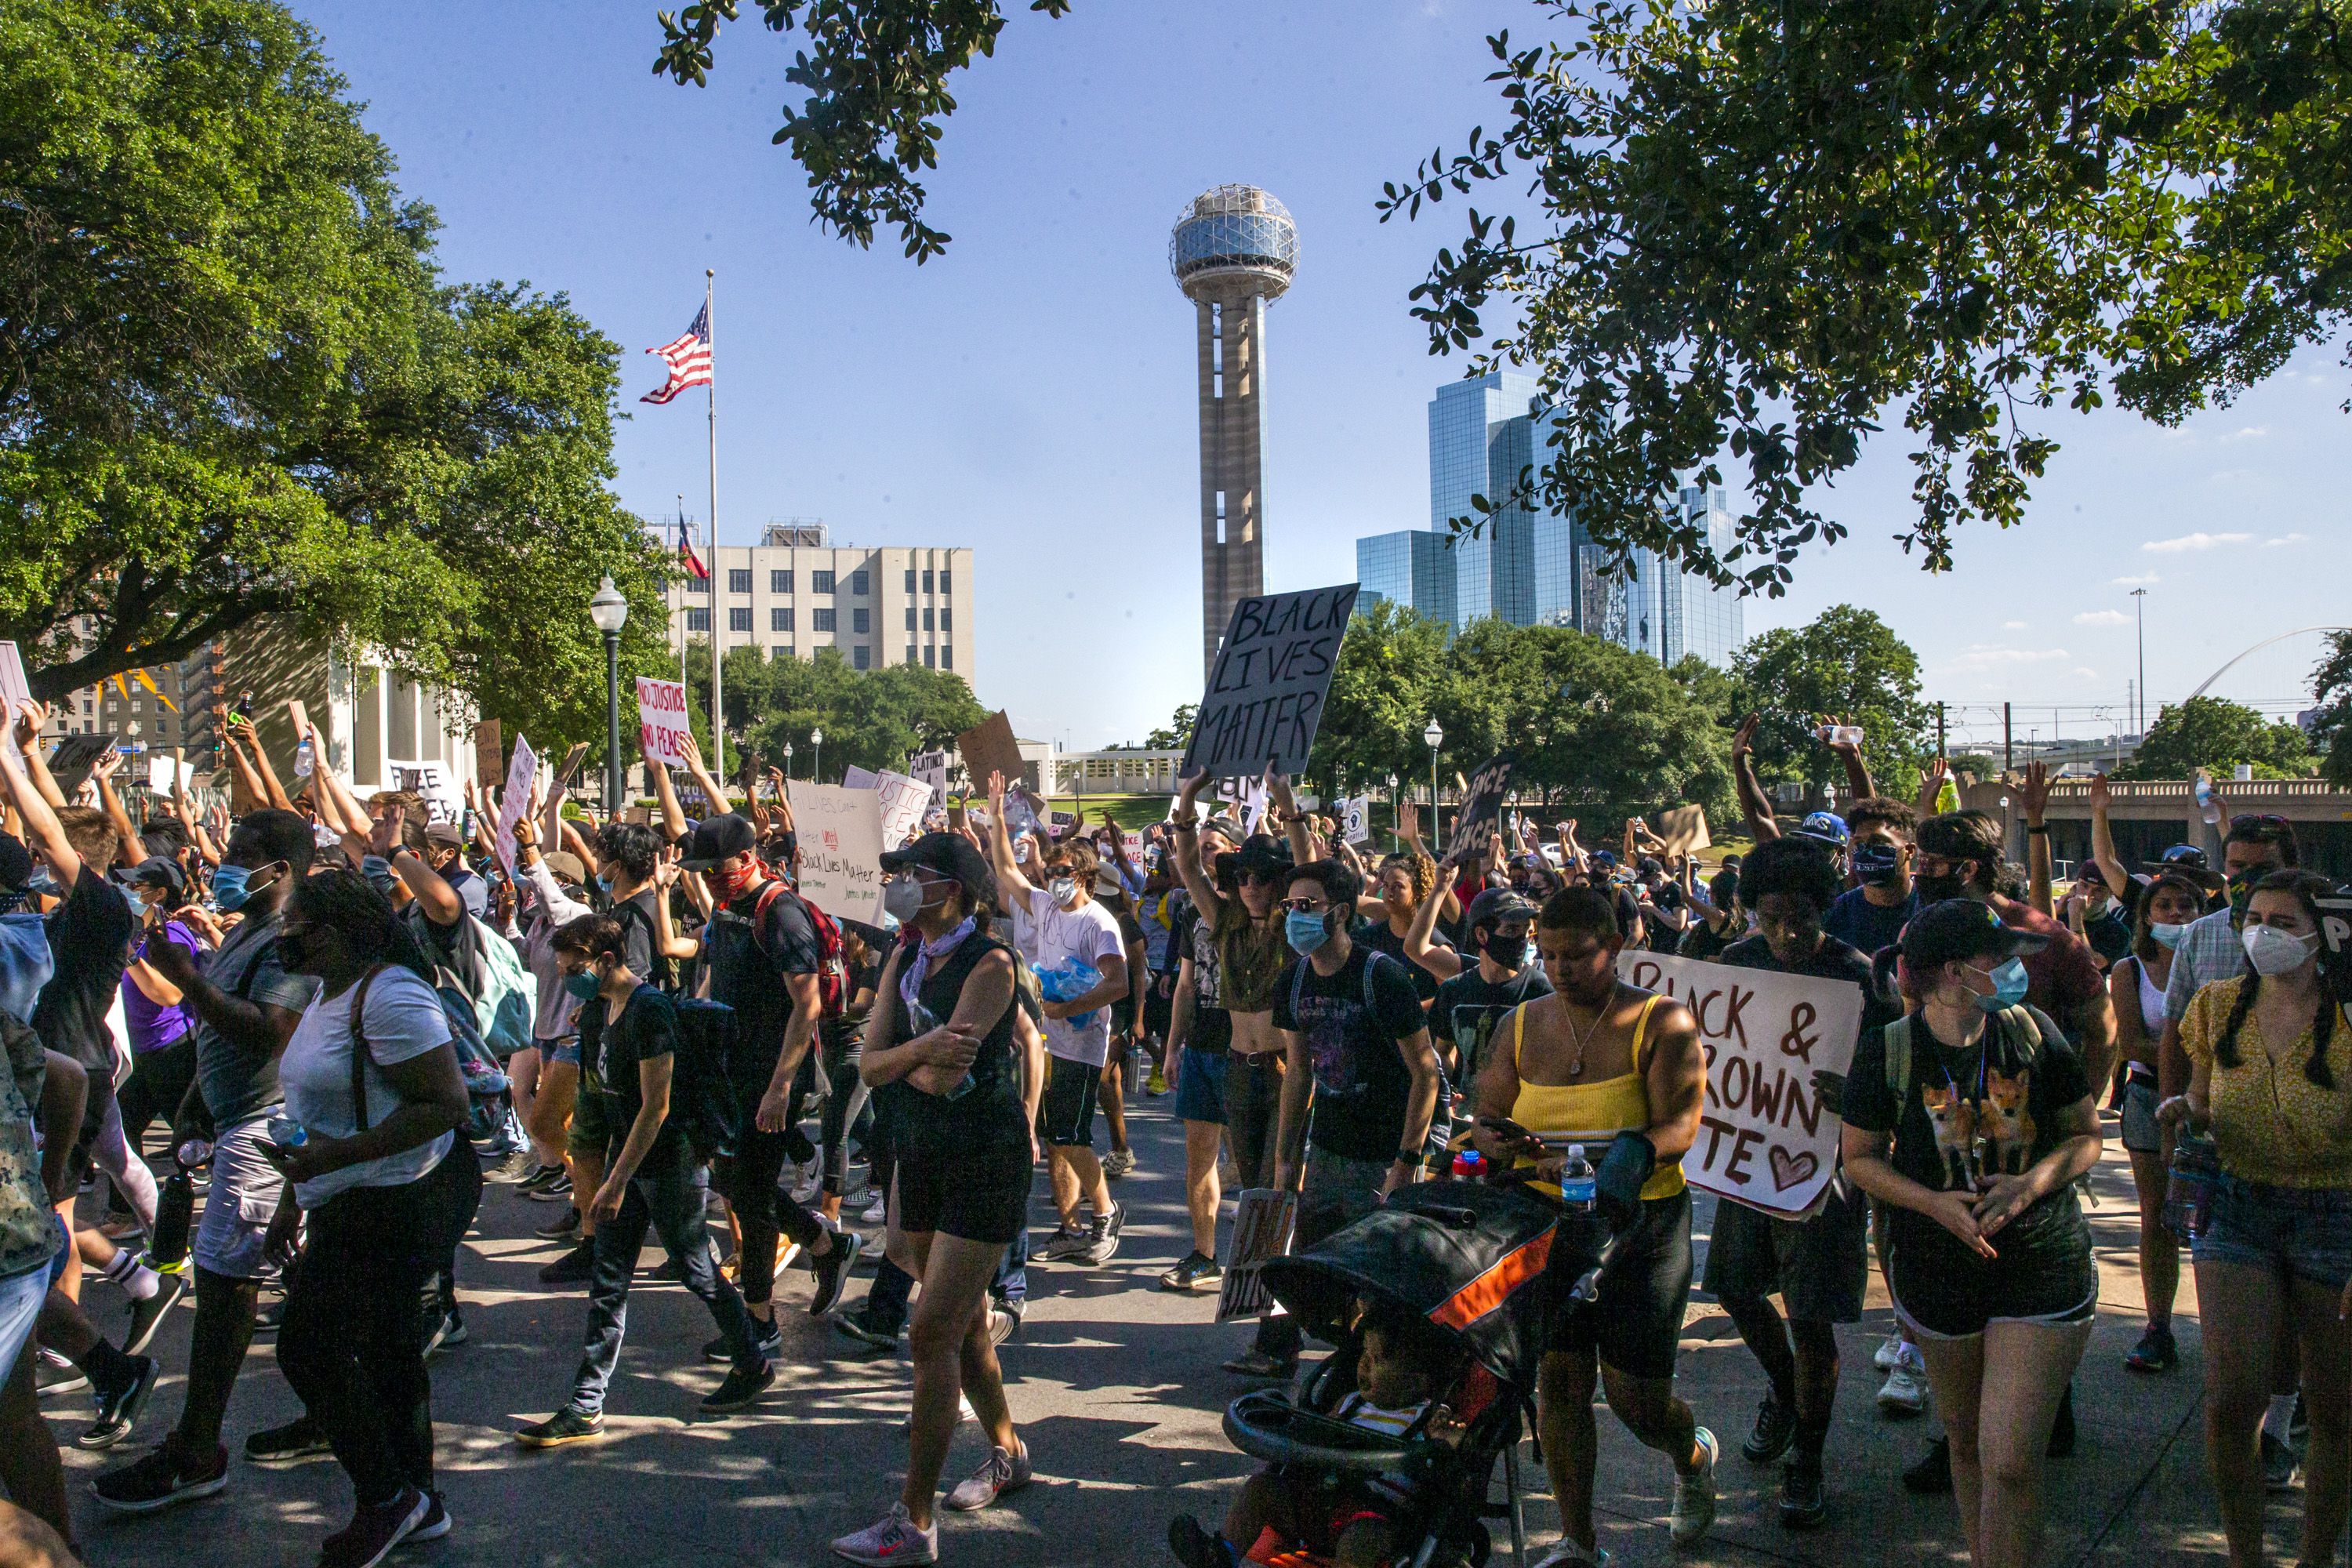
[1629, 908]
[640, 918]
[89, 940]
[1376, 936]
[2109, 935]
[1984, 1089]
[844, 1032]
[1467, 1008]
[1853, 920]
[1700, 940]
[1833, 959]
[646, 1028]
[748, 963]
[1353, 1021]
[1212, 1026]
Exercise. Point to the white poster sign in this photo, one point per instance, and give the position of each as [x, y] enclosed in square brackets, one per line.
[841, 849]
[1764, 1138]
[661, 721]
[904, 802]
[514, 800]
[1356, 819]
[159, 776]
[14, 688]
[432, 779]
[931, 768]
[855, 777]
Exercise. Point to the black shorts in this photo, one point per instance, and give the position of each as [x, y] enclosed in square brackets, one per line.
[976, 1188]
[1065, 1112]
[82, 1158]
[1636, 1321]
[1158, 1013]
[1819, 1267]
[1945, 1291]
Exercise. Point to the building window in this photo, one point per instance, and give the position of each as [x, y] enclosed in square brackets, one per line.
[928, 656]
[946, 619]
[944, 589]
[820, 582]
[861, 657]
[780, 620]
[825, 620]
[698, 619]
[860, 622]
[739, 619]
[910, 579]
[857, 584]
[910, 653]
[927, 620]
[927, 582]
[739, 578]
[781, 650]
[947, 658]
[910, 626]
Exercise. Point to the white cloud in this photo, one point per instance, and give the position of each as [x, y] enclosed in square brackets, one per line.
[2284, 538]
[2103, 619]
[2082, 674]
[2248, 433]
[2145, 580]
[1984, 657]
[2013, 626]
[2196, 542]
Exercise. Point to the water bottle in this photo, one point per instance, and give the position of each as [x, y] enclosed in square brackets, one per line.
[1578, 1188]
[1469, 1165]
[286, 1132]
[2196, 1172]
[176, 1208]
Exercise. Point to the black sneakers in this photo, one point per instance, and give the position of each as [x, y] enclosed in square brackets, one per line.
[298, 1442]
[566, 1425]
[119, 1406]
[1804, 1502]
[1776, 1428]
[159, 1479]
[573, 1267]
[374, 1531]
[1197, 1269]
[739, 1389]
[147, 1316]
[832, 1272]
[767, 1338]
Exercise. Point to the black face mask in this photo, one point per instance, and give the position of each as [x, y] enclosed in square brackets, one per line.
[1936, 890]
[1510, 951]
[1878, 865]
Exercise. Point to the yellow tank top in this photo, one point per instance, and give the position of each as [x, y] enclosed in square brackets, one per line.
[1599, 1110]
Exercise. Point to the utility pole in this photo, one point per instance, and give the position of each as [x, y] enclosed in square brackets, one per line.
[2139, 610]
[1940, 750]
[2008, 740]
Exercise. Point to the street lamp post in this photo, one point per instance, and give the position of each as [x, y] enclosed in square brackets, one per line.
[1433, 735]
[2139, 612]
[610, 611]
[788, 760]
[817, 755]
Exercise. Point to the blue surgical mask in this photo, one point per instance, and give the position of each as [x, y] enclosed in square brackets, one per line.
[2009, 985]
[229, 890]
[582, 985]
[2166, 934]
[1305, 933]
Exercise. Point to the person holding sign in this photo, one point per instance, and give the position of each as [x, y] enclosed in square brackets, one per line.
[1972, 1117]
[1820, 1265]
[1607, 1064]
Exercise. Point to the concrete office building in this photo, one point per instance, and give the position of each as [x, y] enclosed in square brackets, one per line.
[794, 593]
[1233, 252]
[1488, 436]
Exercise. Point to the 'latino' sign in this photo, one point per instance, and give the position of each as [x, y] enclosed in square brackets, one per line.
[1482, 808]
[1764, 1137]
[662, 720]
[931, 768]
[840, 832]
[1265, 697]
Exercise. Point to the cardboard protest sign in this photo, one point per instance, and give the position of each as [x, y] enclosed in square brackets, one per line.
[930, 768]
[1265, 697]
[990, 748]
[904, 802]
[841, 849]
[432, 779]
[1764, 1139]
[71, 762]
[1482, 807]
[567, 774]
[1356, 819]
[489, 751]
[855, 777]
[1683, 829]
[514, 800]
[1263, 1218]
[662, 720]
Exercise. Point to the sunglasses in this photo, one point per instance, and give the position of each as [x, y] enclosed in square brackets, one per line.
[2258, 819]
[1302, 906]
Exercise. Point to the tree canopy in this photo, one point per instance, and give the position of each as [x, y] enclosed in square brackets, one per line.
[2218, 735]
[234, 386]
[2331, 728]
[871, 718]
[1844, 662]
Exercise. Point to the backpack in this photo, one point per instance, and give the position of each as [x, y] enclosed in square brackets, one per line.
[485, 1086]
[2023, 1028]
[702, 1095]
[508, 1000]
[832, 954]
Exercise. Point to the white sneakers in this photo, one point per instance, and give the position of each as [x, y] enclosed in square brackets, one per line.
[891, 1540]
[1000, 1473]
[1906, 1392]
[1694, 1509]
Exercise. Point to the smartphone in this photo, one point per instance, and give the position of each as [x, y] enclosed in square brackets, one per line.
[1507, 1128]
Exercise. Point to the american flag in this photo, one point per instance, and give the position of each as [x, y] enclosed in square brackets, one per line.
[688, 360]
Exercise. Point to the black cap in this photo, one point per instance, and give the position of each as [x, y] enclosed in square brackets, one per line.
[948, 854]
[718, 838]
[1649, 866]
[1496, 905]
[1959, 930]
[1262, 856]
[157, 872]
[2189, 861]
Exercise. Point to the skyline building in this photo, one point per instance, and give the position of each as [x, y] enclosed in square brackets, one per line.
[1529, 566]
[1233, 252]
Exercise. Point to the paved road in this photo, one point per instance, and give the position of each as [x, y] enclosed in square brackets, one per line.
[1116, 1388]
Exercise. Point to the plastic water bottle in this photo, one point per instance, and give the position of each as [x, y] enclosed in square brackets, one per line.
[286, 1132]
[1469, 1165]
[1579, 1189]
[175, 1206]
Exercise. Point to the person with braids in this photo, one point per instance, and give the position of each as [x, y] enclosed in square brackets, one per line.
[2271, 1080]
[380, 1185]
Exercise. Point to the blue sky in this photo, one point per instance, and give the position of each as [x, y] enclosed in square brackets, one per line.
[1031, 394]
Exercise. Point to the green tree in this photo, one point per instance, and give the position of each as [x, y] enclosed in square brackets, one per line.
[1845, 661]
[2216, 734]
[1392, 670]
[2331, 689]
[871, 719]
[233, 386]
[1179, 732]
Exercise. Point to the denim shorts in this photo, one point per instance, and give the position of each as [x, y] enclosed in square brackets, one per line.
[1201, 1086]
[2141, 1136]
[2303, 1231]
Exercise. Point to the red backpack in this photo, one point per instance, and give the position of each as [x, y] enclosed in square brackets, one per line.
[832, 956]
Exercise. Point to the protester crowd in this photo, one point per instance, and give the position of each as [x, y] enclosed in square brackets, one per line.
[328, 1020]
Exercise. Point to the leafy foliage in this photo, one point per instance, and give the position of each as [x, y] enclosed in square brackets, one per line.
[1846, 661]
[1179, 732]
[232, 385]
[2216, 734]
[2331, 729]
[871, 719]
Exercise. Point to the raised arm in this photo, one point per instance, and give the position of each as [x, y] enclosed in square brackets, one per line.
[29, 717]
[666, 794]
[44, 836]
[1199, 881]
[1857, 771]
[1931, 785]
[2103, 839]
[1443, 962]
[691, 754]
[2034, 795]
[128, 849]
[1754, 804]
[1297, 829]
[1011, 887]
[271, 790]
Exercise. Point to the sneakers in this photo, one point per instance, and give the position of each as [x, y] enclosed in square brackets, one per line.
[541, 1184]
[766, 1338]
[566, 1425]
[147, 1316]
[891, 1540]
[832, 1272]
[435, 1522]
[573, 1267]
[450, 1331]
[298, 1442]
[53, 1375]
[859, 1326]
[807, 1190]
[515, 1169]
[1905, 1391]
[1102, 1236]
[739, 1388]
[1003, 1322]
[1776, 1428]
[1804, 1502]
[1933, 1474]
[1889, 1352]
[1569, 1555]
[1156, 1084]
[1255, 1363]
[1066, 1242]
[964, 1412]
[373, 1533]
[118, 1408]
[1000, 1473]
[565, 1226]
[876, 1212]
[1694, 1509]
[2154, 1352]
[158, 1479]
[1118, 1162]
[2280, 1471]
[1196, 1269]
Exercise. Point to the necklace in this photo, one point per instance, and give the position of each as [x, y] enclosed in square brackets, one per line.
[1576, 1068]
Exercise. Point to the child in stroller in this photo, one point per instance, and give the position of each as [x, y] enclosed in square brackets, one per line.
[1400, 1368]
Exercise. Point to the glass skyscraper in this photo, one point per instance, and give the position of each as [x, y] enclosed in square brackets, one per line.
[1529, 567]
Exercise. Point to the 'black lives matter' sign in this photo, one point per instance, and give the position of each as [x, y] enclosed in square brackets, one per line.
[1265, 696]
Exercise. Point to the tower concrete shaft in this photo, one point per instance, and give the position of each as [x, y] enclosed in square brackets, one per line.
[1232, 440]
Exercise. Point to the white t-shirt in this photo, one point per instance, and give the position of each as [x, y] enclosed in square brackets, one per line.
[1048, 936]
[404, 1020]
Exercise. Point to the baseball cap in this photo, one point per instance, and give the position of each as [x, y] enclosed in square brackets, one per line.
[1228, 826]
[567, 867]
[1961, 929]
[155, 871]
[1826, 825]
[1649, 866]
[2189, 861]
[718, 838]
[1496, 905]
[445, 834]
[948, 855]
[1603, 858]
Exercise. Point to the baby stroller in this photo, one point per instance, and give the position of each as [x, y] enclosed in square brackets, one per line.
[1480, 1263]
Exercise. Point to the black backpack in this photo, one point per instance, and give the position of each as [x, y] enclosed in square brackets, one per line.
[702, 1094]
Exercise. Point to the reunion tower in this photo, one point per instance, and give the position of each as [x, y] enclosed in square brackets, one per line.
[1233, 250]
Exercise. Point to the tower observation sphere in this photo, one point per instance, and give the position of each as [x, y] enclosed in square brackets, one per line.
[1233, 250]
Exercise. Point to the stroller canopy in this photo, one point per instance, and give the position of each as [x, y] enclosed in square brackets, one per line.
[1469, 1257]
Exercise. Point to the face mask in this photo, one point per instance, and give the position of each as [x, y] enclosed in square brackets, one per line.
[1878, 865]
[44, 884]
[2166, 934]
[582, 985]
[1936, 890]
[2274, 952]
[902, 899]
[605, 884]
[1305, 933]
[1065, 891]
[1510, 951]
[734, 883]
[231, 888]
[2009, 985]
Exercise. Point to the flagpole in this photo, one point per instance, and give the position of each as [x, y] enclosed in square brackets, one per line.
[683, 542]
[718, 724]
